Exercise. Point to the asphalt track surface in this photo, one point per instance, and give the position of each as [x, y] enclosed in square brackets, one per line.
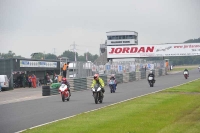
[33, 110]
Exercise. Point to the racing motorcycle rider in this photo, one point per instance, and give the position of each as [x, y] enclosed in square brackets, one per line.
[98, 80]
[186, 71]
[151, 75]
[112, 77]
[64, 81]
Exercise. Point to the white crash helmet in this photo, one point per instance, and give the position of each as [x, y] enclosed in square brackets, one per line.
[150, 71]
[113, 75]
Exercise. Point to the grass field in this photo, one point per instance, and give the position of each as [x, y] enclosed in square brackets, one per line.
[181, 68]
[174, 110]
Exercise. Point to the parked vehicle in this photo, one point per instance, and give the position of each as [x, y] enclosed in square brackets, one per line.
[64, 92]
[4, 82]
[97, 94]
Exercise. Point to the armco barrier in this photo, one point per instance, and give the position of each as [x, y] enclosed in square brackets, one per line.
[89, 81]
[104, 77]
[80, 83]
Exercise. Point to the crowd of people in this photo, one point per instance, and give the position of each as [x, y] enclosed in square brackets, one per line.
[24, 80]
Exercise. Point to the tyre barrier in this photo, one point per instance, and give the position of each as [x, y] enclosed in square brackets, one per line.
[46, 90]
[125, 77]
[160, 72]
[119, 78]
[132, 76]
[138, 75]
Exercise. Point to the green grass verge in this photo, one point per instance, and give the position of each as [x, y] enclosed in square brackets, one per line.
[174, 110]
[182, 68]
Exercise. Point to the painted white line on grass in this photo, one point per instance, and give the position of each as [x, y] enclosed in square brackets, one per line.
[104, 106]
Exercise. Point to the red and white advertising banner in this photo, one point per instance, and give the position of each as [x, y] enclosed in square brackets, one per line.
[184, 49]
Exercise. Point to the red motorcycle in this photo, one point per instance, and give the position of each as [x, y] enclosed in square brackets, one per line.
[185, 73]
[64, 92]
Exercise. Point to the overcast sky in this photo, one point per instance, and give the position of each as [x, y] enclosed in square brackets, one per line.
[28, 26]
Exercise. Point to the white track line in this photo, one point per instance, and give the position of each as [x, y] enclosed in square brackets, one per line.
[104, 106]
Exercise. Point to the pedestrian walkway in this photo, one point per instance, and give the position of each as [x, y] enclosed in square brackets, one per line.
[20, 94]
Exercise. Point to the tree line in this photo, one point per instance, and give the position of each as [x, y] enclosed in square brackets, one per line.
[181, 60]
[69, 54]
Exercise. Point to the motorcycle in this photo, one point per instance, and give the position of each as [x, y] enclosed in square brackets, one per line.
[97, 94]
[151, 81]
[185, 73]
[112, 86]
[64, 92]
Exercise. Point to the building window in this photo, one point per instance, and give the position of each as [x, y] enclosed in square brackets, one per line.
[122, 37]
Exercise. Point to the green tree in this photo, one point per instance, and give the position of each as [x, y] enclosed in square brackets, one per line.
[91, 57]
[81, 58]
[38, 56]
[70, 55]
[10, 54]
[50, 56]
[193, 40]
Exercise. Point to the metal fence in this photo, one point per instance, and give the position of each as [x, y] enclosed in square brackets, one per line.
[85, 83]
[78, 84]
[85, 69]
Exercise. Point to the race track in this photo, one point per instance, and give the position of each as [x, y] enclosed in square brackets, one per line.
[21, 115]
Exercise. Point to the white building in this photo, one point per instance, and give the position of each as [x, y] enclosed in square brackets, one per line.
[120, 38]
[117, 38]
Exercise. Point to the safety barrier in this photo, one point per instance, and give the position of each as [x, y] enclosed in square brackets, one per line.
[46, 90]
[160, 72]
[125, 77]
[119, 78]
[78, 84]
[132, 76]
[138, 75]
[104, 77]
[143, 74]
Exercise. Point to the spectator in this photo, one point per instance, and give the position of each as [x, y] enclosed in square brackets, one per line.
[34, 81]
[65, 66]
[55, 78]
[24, 80]
[47, 79]
[37, 82]
[29, 81]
